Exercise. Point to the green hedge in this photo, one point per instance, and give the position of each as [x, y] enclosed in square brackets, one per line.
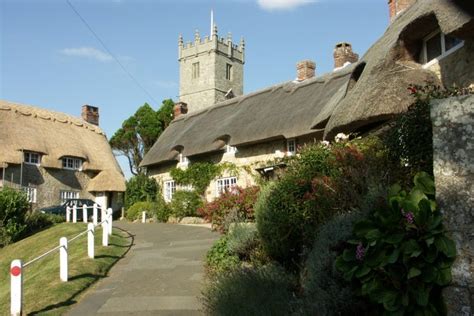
[185, 203]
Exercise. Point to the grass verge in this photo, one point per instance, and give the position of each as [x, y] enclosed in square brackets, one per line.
[43, 291]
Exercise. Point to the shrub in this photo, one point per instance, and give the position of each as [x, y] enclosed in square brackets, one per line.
[250, 291]
[161, 210]
[140, 188]
[400, 257]
[325, 290]
[220, 259]
[232, 206]
[135, 211]
[13, 208]
[243, 238]
[322, 182]
[185, 203]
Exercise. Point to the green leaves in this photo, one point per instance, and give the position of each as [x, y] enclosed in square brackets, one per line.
[407, 253]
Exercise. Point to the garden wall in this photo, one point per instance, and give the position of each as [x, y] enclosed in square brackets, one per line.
[453, 144]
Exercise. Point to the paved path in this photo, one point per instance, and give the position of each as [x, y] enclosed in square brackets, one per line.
[160, 275]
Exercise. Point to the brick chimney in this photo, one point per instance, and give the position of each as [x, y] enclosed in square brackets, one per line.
[305, 69]
[395, 7]
[343, 53]
[180, 108]
[90, 114]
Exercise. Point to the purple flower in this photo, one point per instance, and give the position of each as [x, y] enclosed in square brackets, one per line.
[409, 217]
[360, 252]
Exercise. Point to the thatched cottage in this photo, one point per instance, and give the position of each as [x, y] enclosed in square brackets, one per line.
[54, 156]
[427, 40]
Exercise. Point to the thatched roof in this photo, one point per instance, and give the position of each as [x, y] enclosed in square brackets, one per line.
[283, 111]
[371, 91]
[56, 135]
[107, 181]
[390, 66]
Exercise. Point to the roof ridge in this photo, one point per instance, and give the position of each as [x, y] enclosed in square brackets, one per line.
[46, 114]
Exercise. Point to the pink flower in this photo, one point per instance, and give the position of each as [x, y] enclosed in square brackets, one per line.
[360, 252]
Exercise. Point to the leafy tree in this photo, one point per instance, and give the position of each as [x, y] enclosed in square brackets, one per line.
[140, 188]
[140, 131]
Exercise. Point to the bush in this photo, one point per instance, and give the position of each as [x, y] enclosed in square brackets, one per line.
[141, 188]
[250, 291]
[232, 206]
[220, 259]
[185, 203]
[158, 210]
[400, 257]
[325, 290]
[243, 238]
[322, 182]
[13, 208]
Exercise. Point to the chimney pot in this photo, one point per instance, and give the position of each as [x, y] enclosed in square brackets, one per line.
[343, 53]
[395, 7]
[180, 108]
[305, 69]
[90, 114]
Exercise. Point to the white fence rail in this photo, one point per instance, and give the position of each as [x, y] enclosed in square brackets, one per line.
[17, 266]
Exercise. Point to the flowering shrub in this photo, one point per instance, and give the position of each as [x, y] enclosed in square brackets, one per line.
[239, 202]
[185, 203]
[400, 256]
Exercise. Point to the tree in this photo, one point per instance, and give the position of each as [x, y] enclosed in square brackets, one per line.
[140, 131]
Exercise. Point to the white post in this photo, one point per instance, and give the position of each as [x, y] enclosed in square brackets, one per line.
[90, 240]
[74, 214]
[16, 287]
[63, 274]
[68, 214]
[105, 234]
[110, 211]
[94, 214]
[84, 213]
[143, 217]
[102, 213]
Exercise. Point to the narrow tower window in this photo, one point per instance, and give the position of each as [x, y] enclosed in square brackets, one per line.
[195, 70]
[228, 72]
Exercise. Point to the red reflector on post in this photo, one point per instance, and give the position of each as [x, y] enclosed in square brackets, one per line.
[15, 271]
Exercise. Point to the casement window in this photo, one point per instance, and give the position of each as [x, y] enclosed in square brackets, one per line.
[225, 184]
[31, 158]
[195, 69]
[230, 149]
[438, 45]
[291, 146]
[67, 195]
[30, 193]
[228, 71]
[72, 163]
[169, 190]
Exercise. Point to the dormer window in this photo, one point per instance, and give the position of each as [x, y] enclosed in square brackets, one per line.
[72, 163]
[291, 146]
[183, 159]
[437, 45]
[32, 158]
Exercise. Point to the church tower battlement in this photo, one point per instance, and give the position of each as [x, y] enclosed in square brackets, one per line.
[211, 69]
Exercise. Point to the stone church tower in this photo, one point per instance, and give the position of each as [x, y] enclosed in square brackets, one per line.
[211, 70]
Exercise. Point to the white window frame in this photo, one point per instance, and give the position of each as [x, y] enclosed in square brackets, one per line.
[291, 146]
[32, 158]
[169, 188]
[183, 159]
[65, 195]
[30, 193]
[224, 184]
[72, 163]
[427, 63]
[230, 149]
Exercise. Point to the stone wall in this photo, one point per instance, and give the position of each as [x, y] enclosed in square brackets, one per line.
[453, 143]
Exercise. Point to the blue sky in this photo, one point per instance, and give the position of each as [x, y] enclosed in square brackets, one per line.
[49, 58]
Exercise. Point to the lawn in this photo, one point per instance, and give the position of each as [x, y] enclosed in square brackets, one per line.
[43, 291]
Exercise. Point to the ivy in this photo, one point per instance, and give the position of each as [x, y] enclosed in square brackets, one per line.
[200, 174]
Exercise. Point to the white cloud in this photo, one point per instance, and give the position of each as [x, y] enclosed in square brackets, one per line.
[271, 5]
[87, 52]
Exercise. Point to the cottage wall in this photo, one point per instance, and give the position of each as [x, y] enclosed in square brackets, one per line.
[247, 158]
[48, 182]
[453, 144]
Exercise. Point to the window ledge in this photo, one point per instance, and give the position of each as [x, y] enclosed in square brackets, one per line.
[442, 56]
